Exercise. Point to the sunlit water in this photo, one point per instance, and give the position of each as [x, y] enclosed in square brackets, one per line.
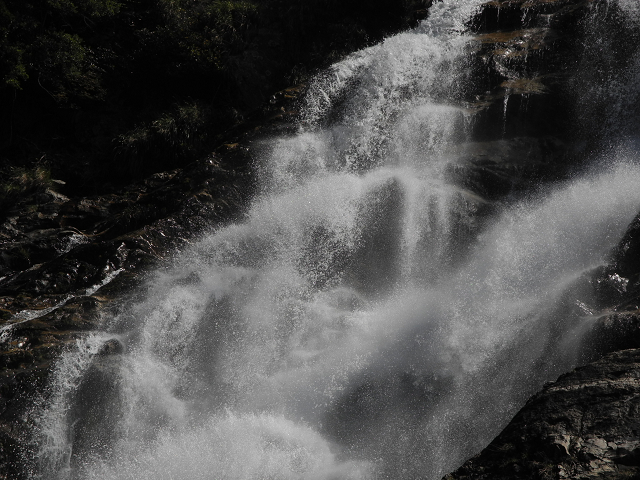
[341, 331]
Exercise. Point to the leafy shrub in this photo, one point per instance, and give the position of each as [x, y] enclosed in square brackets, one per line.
[161, 77]
[173, 136]
[20, 182]
[66, 67]
[45, 41]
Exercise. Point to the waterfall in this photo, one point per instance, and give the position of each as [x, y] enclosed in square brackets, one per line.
[363, 321]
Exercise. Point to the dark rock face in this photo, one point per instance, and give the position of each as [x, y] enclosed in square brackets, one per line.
[500, 167]
[583, 426]
[522, 98]
[626, 257]
[617, 295]
[65, 261]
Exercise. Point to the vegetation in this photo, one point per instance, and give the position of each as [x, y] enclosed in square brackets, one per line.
[104, 91]
[19, 182]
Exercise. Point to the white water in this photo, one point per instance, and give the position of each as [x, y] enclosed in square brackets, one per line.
[340, 332]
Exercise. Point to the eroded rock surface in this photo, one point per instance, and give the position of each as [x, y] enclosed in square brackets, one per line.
[583, 426]
[522, 101]
[65, 261]
[616, 289]
[587, 424]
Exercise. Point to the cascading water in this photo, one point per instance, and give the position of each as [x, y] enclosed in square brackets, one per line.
[356, 325]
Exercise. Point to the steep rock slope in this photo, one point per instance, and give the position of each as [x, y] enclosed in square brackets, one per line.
[583, 426]
[64, 260]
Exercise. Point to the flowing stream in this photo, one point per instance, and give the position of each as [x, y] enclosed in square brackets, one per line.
[359, 323]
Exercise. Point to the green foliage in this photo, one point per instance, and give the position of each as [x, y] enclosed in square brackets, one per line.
[88, 8]
[44, 41]
[327, 29]
[11, 55]
[19, 182]
[11, 62]
[23, 180]
[174, 135]
[66, 67]
[157, 80]
[205, 33]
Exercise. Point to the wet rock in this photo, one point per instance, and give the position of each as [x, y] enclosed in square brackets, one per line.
[111, 347]
[93, 237]
[616, 288]
[517, 14]
[626, 256]
[527, 53]
[97, 418]
[612, 332]
[508, 166]
[64, 260]
[582, 426]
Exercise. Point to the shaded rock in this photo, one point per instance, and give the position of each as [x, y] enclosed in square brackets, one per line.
[616, 289]
[611, 332]
[111, 347]
[96, 418]
[91, 238]
[626, 256]
[528, 53]
[584, 425]
[63, 262]
[516, 14]
[503, 167]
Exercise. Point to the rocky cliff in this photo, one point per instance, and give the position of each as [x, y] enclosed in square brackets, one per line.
[67, 261]
[583, 426]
